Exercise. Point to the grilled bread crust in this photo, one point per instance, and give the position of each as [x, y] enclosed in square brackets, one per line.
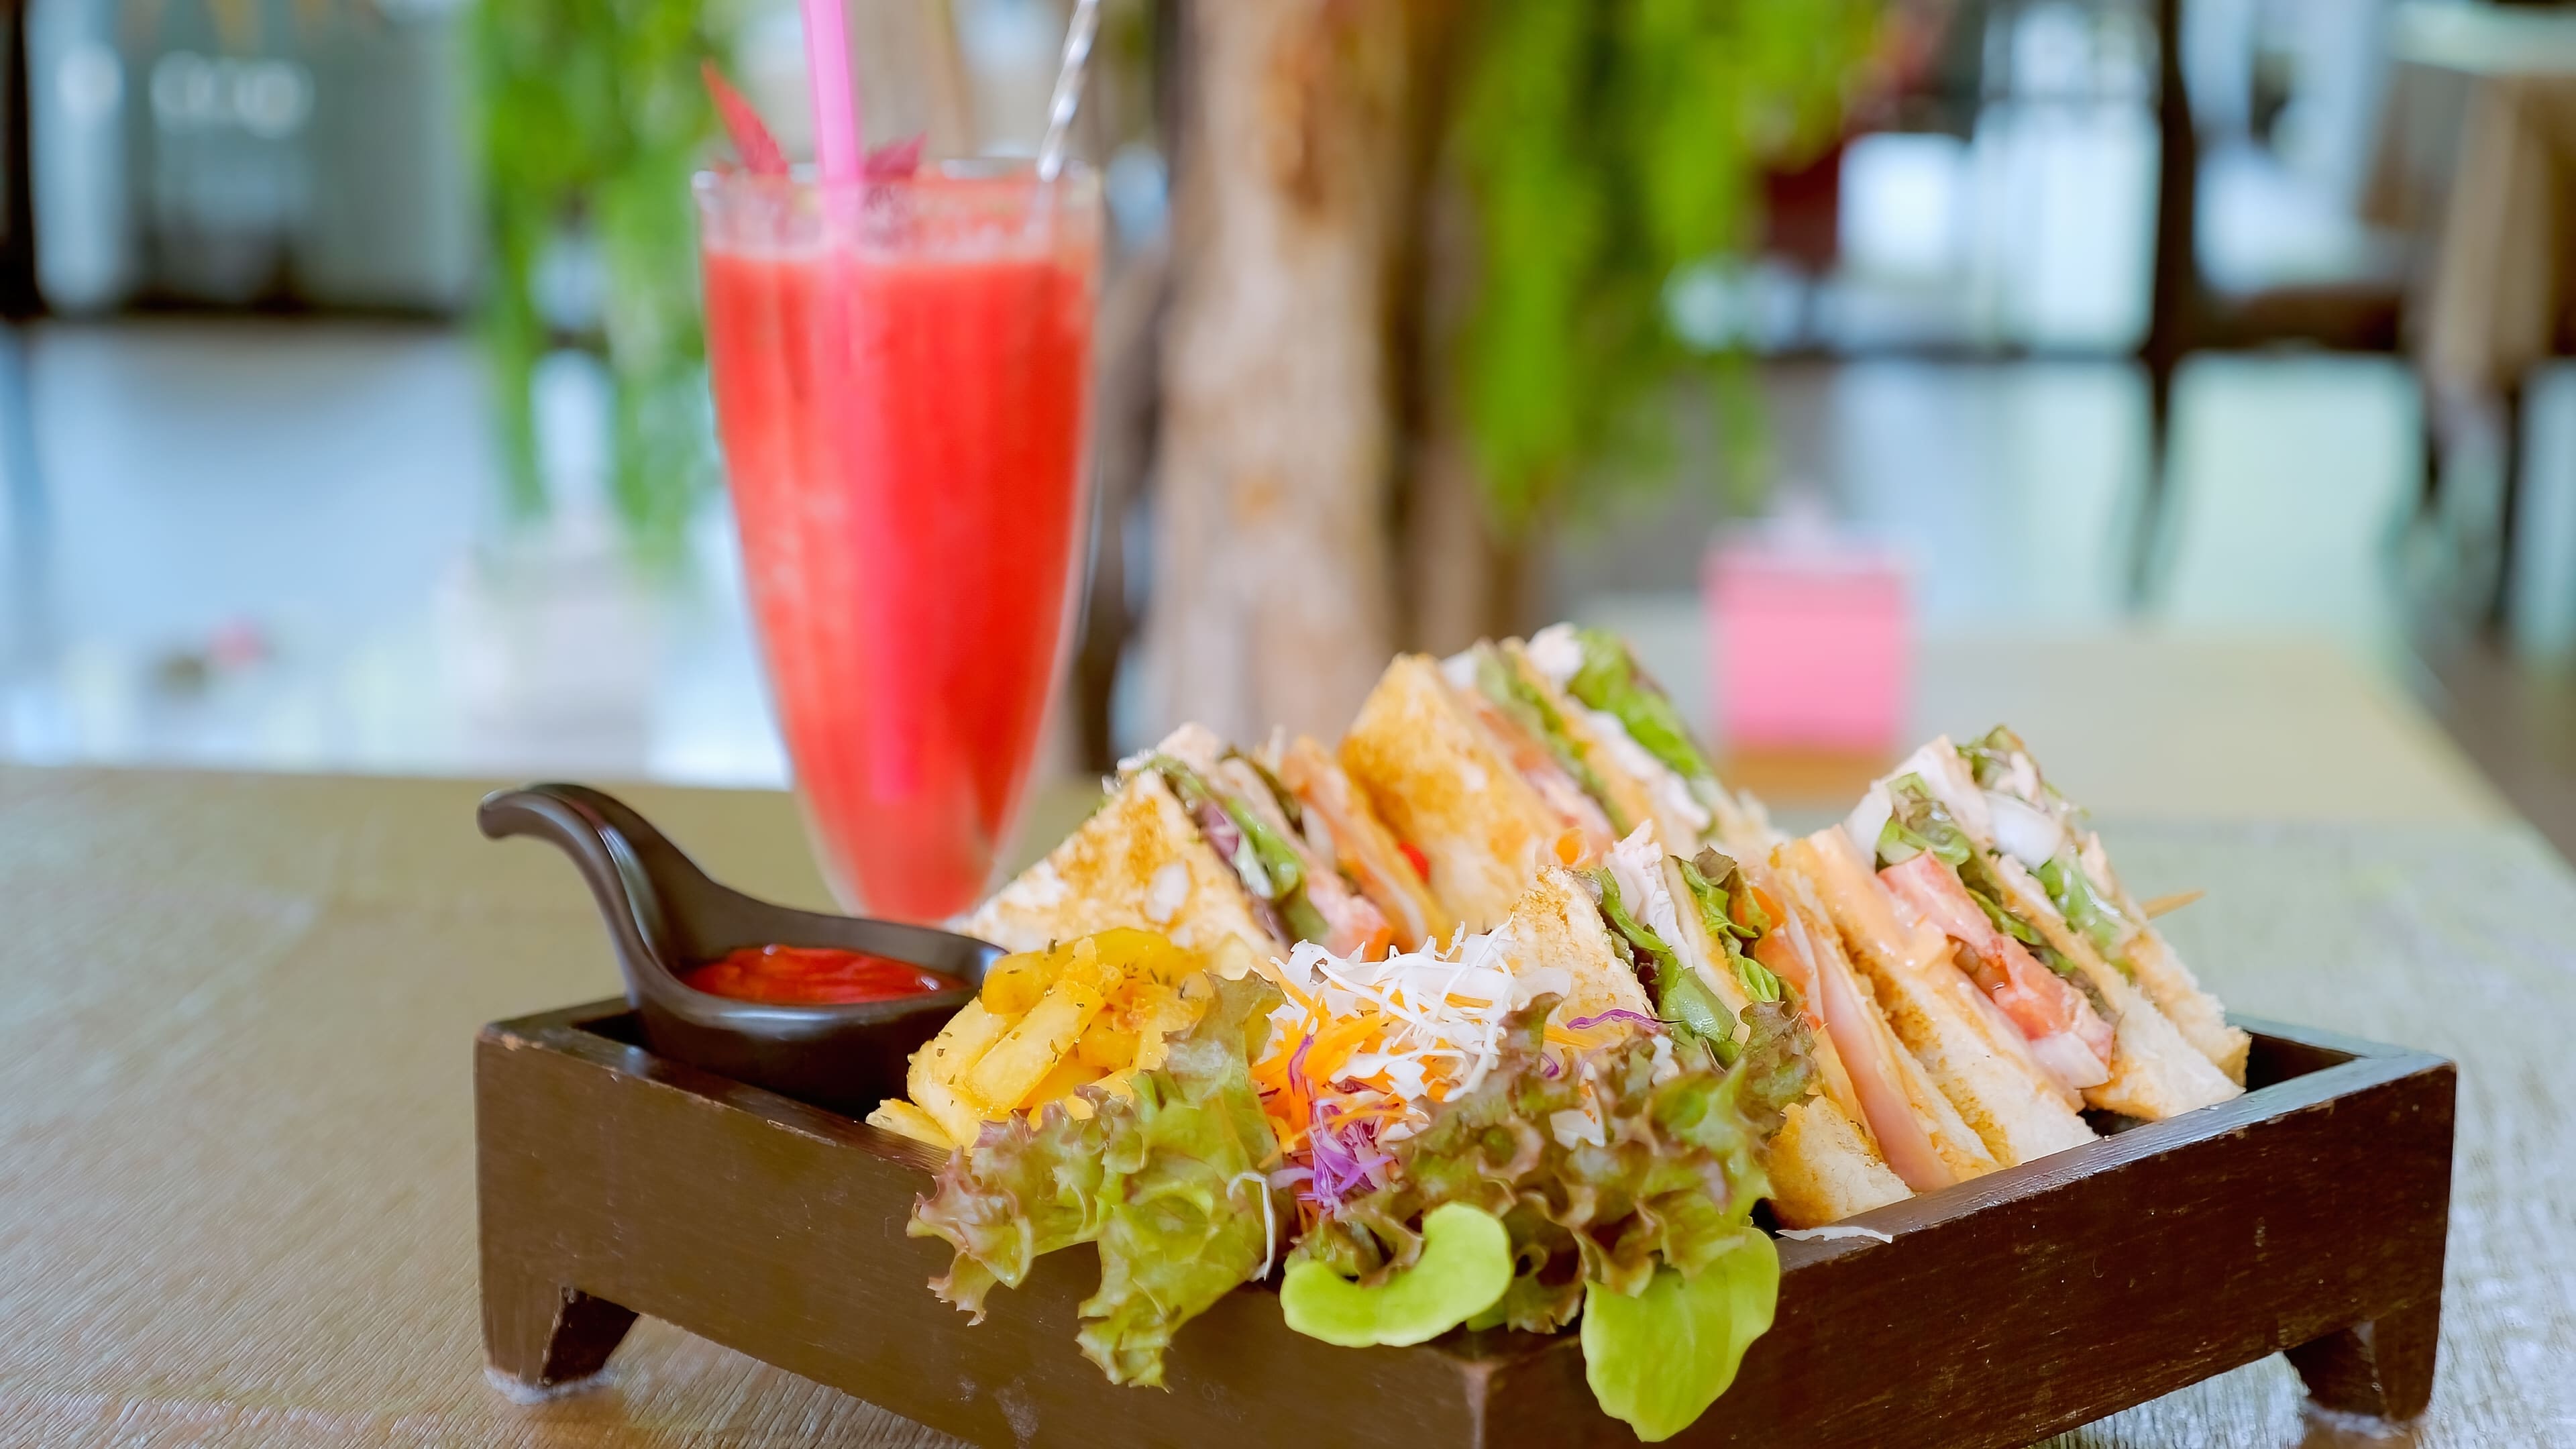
[1434, 777]
[1139, 861]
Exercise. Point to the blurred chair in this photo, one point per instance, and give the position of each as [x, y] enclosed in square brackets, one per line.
[2189, 312]
[2480, 152]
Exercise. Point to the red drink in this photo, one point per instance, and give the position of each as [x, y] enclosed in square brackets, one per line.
[900, 388]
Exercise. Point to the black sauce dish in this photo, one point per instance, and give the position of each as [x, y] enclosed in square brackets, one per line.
[665, 918]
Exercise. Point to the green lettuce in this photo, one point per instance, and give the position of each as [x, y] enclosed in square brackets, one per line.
[2101, 921]
[1990, 757]
[1610, 681]
[1268, 865]
[1666, 1194]
[1501, 681]
[1658, 1360]
[1717, 888]
[1168, 1183]
[1681, 998]
[1675, 1175]
[1464, 1268]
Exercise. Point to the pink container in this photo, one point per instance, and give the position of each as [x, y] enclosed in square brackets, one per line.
[1809, 637]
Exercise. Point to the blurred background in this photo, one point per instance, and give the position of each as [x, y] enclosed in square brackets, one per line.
[2178, 379]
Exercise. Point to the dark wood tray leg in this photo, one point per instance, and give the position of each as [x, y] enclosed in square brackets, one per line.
[545, 1336]
[2383, 1368]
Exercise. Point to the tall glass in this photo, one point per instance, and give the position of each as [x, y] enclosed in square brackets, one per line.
[901, 371]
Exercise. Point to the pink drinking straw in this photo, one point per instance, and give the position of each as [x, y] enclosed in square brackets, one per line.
[837, 147]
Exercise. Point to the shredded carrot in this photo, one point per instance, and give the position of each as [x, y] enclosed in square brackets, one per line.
[1569, 849]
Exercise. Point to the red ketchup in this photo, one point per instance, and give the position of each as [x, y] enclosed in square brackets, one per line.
[815, 976]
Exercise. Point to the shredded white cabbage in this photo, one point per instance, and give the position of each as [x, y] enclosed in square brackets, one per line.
[1832, 1231]
[1444, 1008]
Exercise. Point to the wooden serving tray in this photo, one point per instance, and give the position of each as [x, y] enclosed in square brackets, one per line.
[2308, 1215]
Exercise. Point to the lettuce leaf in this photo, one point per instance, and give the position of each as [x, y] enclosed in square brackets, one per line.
[1268, 865]
[1672, 1180]
[1681, 998]
[1990, 758]
[2101, 921]
[1167, 1183]
[1611, 682]
[1658, 1360]
[1717, 888]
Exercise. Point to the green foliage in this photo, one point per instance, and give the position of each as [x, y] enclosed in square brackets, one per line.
[592, 119]
[1610, 144]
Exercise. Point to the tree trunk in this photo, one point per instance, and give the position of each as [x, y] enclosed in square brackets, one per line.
[1274, 599]
[1462, 581]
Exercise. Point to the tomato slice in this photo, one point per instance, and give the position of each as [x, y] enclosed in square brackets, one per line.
[1414, 857]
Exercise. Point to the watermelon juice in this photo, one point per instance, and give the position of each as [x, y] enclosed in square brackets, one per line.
[900, 378]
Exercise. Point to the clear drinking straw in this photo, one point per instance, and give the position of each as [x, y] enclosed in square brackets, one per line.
[838, 146]
[1068, 86]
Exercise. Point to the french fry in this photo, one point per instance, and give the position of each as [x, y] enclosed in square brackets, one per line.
[1014, 983]
[1234, 960]
[1058, 1085]
[1144, 954]
[1084, 963]
[1105, 1046]
[945, 1059]
[1007, 1071]
[960, 1119]
[900, 1117]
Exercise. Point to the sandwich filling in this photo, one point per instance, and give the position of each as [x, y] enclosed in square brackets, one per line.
[1251, 821]
[1638, 901]
[2047, 833]
[1632, 716]
[1527, 731]
[1339, 827]
[1935, 871]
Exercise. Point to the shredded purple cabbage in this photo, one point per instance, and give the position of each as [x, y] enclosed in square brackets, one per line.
[1643, 1021]
[1346, 1156]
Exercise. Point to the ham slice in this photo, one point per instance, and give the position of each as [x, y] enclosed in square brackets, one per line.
[1362, 845]
[1576, 810]
[2068, 1037]
[1902, 1139]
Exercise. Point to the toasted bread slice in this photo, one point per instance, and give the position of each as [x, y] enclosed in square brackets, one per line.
[1435, 778]
[1556, 924]
[2178, 994]
[1822, 1169]
[1139, 861]
[1975, 1057]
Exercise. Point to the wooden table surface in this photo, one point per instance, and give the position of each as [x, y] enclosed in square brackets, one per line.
[236, 1184]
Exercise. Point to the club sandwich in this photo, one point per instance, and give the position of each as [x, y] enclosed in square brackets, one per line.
[1199, 841]
[1930, 832]
[2065, 854]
